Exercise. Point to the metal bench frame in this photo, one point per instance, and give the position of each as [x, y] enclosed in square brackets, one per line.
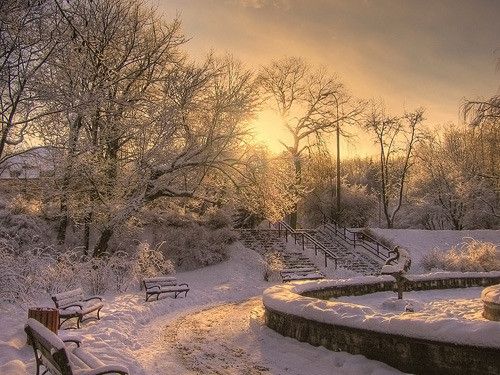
[68, 303]
[164, 284]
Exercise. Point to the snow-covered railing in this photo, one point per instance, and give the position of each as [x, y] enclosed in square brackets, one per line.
[304, 237]
[353, 238]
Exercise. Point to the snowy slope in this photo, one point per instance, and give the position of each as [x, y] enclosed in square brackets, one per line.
[420, 242]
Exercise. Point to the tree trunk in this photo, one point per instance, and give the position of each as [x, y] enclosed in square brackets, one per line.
[293, 218]
[86, 232]
[102, 245]
[68, 169]
[298, 176]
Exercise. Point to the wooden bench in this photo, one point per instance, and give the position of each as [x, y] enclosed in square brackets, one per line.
[164, 284]
[73, 304]
[52, 354]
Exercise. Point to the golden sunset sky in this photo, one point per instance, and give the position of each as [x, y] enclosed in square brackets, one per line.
[407, 53]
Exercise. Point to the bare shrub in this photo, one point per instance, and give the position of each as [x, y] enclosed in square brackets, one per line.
[151, 262]
[274, 263]
[472, 255]
[196, 245]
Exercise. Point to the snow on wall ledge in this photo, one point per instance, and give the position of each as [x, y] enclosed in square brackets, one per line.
[294, 310]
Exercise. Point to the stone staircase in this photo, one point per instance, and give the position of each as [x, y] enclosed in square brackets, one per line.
[354, 259]
[296, 266]
[262, 241]
[308, 264]
[299, 267]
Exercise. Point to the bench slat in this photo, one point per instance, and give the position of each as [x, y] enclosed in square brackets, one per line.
[52, 354]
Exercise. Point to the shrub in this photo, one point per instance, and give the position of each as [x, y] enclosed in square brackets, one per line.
[151, 262]
[471, 255]
[274, 263]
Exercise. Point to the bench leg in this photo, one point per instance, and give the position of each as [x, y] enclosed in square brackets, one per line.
[63, 320]
[99, 313]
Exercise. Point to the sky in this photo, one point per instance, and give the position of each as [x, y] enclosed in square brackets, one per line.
[407, 53]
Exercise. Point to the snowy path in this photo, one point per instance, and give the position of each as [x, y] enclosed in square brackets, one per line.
[232, 339]
[217, 329]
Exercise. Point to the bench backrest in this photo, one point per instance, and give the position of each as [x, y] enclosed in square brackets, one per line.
[68, 298]
[51, 349]
[159, 281]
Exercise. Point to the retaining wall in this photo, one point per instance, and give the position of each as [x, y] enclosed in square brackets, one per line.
[410, 354]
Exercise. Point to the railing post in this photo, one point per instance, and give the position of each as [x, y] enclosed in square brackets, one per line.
[335, 263]
[315, 249]
[326, 260]
[295, 238]
[378, 251]
[279, 230]
[344, 234]
[286, 234]
[303, 244]
[354, 238]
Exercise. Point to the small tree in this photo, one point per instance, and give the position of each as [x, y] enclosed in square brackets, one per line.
[396, 138]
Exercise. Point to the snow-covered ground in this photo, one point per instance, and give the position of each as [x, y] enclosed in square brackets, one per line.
[217, 329]
[460, 304]
[420, 242]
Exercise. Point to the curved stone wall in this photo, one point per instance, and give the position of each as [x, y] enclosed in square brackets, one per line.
[304, 312]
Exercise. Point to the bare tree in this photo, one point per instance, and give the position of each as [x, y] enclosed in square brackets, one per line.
[396, 138]
[120, 50]
[197, 129]
[484, 117]
[311, 104]
[27, 39]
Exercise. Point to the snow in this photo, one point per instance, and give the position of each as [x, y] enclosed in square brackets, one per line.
[439, 327]
[491, 294]
[420, 242]
[218, 328]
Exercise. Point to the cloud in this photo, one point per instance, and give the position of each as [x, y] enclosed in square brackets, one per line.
[258, 4]
[409, 53]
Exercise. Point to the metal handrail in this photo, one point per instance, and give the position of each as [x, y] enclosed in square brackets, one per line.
[281, 225]
[359, 239]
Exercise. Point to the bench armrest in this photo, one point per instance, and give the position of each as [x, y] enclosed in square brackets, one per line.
[151, 287]
[107, 369]
[74, 340]
[183, 284]
[91, 298]
[72, 305]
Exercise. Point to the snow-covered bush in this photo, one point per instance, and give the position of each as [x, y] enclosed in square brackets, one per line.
[191, 242]
[274, 262]
[357, 206]
[472, 255]
[150, 262]
[20, 231]
[27, 274]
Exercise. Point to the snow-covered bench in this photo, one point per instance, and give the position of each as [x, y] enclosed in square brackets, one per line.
[73, 304]
[164, 284]
[300, 273]
[57, 358]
